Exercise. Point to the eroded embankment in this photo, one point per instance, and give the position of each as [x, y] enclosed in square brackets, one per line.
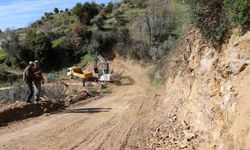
[210, 89]
[20, 110]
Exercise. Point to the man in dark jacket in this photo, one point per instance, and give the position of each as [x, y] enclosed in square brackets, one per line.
[28, 79]
[38, 80]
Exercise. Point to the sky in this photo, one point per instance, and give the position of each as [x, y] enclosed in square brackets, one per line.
[21, 13]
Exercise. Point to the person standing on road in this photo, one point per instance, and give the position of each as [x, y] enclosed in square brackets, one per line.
[38, 80]
[28, 79]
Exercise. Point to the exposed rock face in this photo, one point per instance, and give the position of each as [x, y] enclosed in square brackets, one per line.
[215, 92]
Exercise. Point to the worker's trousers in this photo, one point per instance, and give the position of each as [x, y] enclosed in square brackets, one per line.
[38, 91]
[29, 92]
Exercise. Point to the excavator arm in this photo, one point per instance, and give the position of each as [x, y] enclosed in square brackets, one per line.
[103, 61]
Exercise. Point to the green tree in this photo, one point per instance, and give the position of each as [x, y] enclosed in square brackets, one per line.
[109, 8]
[17, 54]
[85, 12]
[80, 37]
[41, 46]
[98, 21]
[56, 10]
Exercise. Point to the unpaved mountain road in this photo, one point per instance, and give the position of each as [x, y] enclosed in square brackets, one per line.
[108, 123]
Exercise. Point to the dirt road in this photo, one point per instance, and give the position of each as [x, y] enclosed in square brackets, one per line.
[105, 123]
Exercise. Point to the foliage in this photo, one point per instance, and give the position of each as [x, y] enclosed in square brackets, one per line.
[37, 46]
[109, 7]
[41, 46]
[85, 59]
[210, 18]
[81, 37]
[121, 20]
[215, 18]
[2, 55]
[98, 21]
[157, 26]
[56, 91]
[14, 94]
[85, 12]
[238, 12]
[104, 40]
[56, 10]
[155, 79]
[139, 3]
[52, 77]
[17, 54]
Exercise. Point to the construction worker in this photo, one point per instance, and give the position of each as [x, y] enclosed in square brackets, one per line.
[28, 78]
[38, 80]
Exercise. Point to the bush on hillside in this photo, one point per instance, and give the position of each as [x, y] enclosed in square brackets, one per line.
[17, 55]
[215, 18]
[109, 8]
[104, 40]
[85, 12]
[139, 3]
[98, 21]
[41, 46]
[210, 18]
[238, 12]
[122, 34]
[80, 36]
[119, 17]
[36, 46]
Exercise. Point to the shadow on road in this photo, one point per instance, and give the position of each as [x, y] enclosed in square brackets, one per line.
[86, 110]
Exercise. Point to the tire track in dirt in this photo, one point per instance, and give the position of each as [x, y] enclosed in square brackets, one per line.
[116, 128]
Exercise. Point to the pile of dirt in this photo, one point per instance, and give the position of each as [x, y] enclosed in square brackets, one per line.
[21, 110]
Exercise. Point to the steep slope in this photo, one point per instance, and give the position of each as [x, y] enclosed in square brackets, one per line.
[211, 92]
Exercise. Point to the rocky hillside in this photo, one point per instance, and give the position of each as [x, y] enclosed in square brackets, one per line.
[210, 91]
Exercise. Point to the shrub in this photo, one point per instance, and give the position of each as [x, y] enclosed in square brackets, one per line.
[80, 37]
[238, 12]
[40, 45]
[104, 40]
[17, 55]
[85, 12]
[210, 18]
[52, 77]
[98, 21]
[56, 91]
[109, 8]
[119, 17]
[122, 34]
[16, 93]
[215, 18]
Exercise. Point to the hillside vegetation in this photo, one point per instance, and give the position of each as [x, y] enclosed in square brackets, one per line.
[134, 28]
[143, 30]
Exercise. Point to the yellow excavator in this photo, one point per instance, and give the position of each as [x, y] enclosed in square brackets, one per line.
[104, 75]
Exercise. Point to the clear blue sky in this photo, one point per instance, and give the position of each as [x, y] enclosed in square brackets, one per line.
[21, 13]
